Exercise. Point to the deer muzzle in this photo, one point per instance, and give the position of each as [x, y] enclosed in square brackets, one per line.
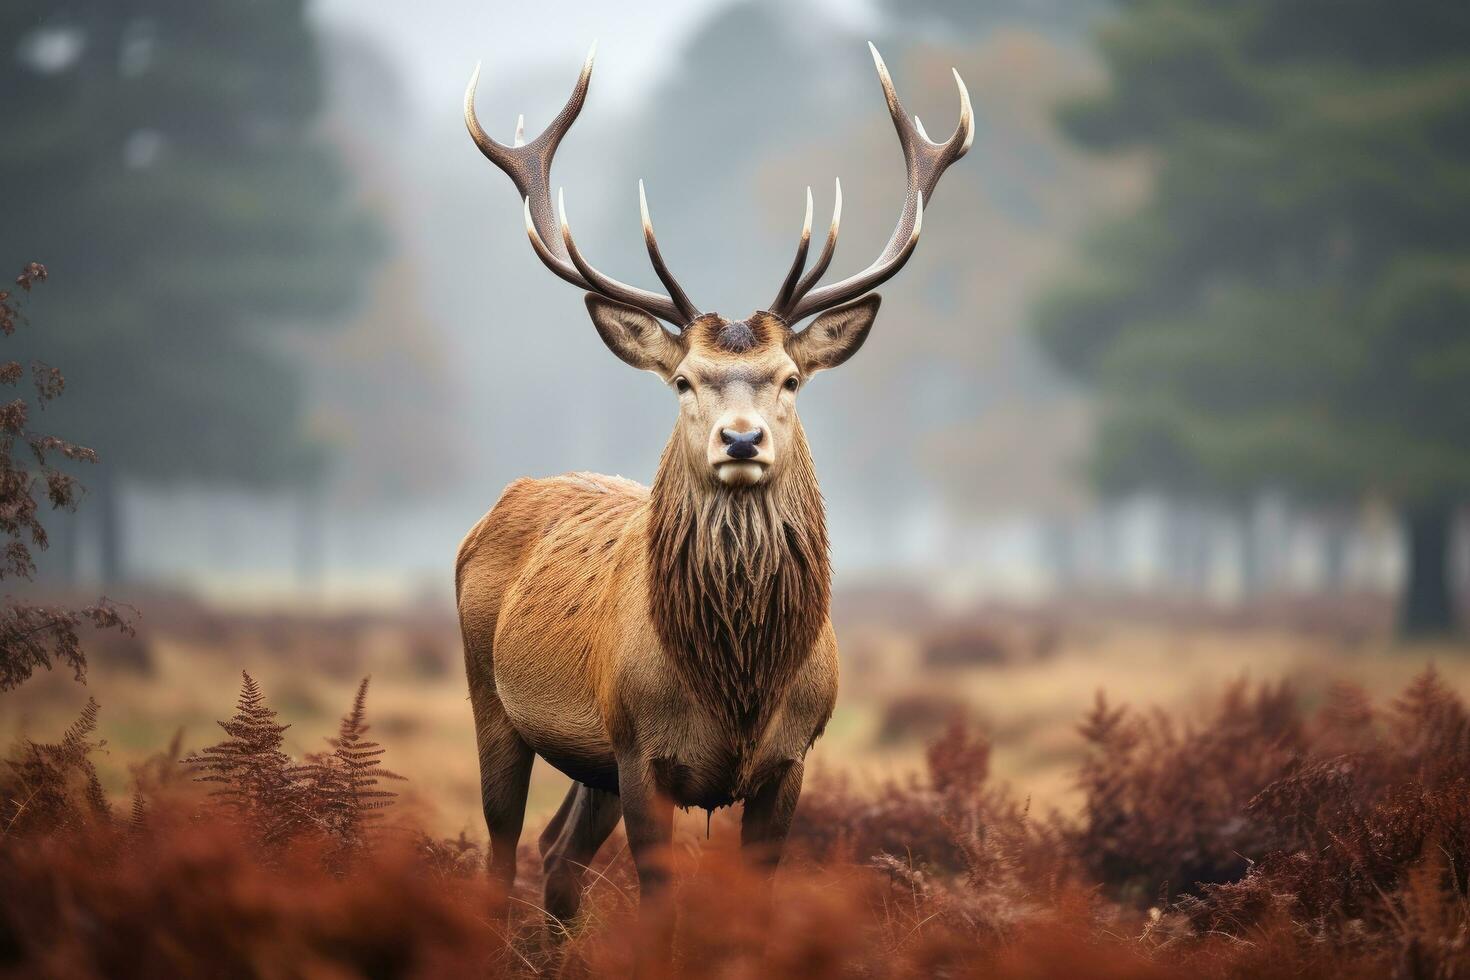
[740, 451]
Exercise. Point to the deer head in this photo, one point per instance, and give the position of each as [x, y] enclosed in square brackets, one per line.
[736, 380]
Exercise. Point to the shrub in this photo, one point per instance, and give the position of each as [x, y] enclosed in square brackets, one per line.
[49, 787]
[333, 797]
[1382, 832]
[916, 716]
[1164, 809]
[33, 636]
[1352, 829]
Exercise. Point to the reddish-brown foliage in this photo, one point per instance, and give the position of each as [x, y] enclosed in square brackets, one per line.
[916, 715]
[51, 787]
[331, 797]
[1165, 806]
[34, 636]
[1326, 846]
[343, 783]
[196, 900]
[1364, 836]
[254, 778]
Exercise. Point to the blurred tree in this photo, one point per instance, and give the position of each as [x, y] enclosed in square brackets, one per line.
[968, 399]
[34, 636]
[1290, 308]
[978, 17]
[177, 183]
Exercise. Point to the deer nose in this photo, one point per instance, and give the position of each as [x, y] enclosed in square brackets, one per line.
[741, 445]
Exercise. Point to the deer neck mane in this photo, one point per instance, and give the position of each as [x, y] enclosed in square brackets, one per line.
[739, 583]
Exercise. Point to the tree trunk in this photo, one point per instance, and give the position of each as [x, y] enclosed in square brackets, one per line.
[1264, 530]
[1186, 548]
[1251, 572]
[1427, 607]
[1197, 550]
[1112, 568]
[1059, 551]
[1173, 548]
[1335, 540]
[109, 527]
[310, 535]
[64, 531]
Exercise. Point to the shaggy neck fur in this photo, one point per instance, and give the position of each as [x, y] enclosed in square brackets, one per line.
[739, 583]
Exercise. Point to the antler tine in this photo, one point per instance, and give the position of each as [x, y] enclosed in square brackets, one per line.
[818, 270]
[792, 291]
[788, 287]
[925, 162]
[958, 142]
[676, 292]
[528, 164]
[548, 258]
[494, 152]
[660, 306]
[871, 277]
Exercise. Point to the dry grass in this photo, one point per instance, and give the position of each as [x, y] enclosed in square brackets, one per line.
[1028, 704]
[1251, 838]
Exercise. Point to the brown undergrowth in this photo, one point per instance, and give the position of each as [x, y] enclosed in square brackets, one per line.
[1254, 840]
[35, 471]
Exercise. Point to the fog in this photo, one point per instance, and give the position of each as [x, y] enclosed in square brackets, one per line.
[955, 450]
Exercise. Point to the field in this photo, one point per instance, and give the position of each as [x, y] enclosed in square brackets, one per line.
[974, 808]
[1025, 677]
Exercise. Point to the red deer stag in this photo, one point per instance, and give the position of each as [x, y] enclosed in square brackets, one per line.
[670, 646]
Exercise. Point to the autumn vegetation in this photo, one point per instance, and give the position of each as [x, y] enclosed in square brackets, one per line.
[1259, 840]
[33, 473]
[1255, 838]
[1272, 301]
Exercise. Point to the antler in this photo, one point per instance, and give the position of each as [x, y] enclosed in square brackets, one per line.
[926, 162]
[529, 167]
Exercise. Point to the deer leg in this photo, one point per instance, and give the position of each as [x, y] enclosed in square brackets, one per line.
[588, 816]
[558, 820]
[505, 775]
[767, 817]
[648, 817]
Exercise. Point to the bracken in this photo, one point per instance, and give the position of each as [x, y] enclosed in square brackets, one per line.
[1332, 845]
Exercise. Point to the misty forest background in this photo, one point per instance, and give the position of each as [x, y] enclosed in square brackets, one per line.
[1190, 321]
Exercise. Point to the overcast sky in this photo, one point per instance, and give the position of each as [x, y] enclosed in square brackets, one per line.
[435, 43]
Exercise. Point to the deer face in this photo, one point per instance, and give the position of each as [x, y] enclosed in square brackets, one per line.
[736, 381]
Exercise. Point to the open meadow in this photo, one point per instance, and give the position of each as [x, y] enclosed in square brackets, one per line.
[1245, 800]
[1024, 677]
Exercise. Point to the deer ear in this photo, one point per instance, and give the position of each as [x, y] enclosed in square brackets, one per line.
[834, 336]
[637, 338]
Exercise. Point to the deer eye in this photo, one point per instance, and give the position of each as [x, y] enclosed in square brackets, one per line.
[681, 384]
[792, 383]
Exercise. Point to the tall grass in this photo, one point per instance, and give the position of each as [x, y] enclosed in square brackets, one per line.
[1255, 840]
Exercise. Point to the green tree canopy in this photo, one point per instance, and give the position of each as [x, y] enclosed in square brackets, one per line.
[162, 158]
[1290, 307]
